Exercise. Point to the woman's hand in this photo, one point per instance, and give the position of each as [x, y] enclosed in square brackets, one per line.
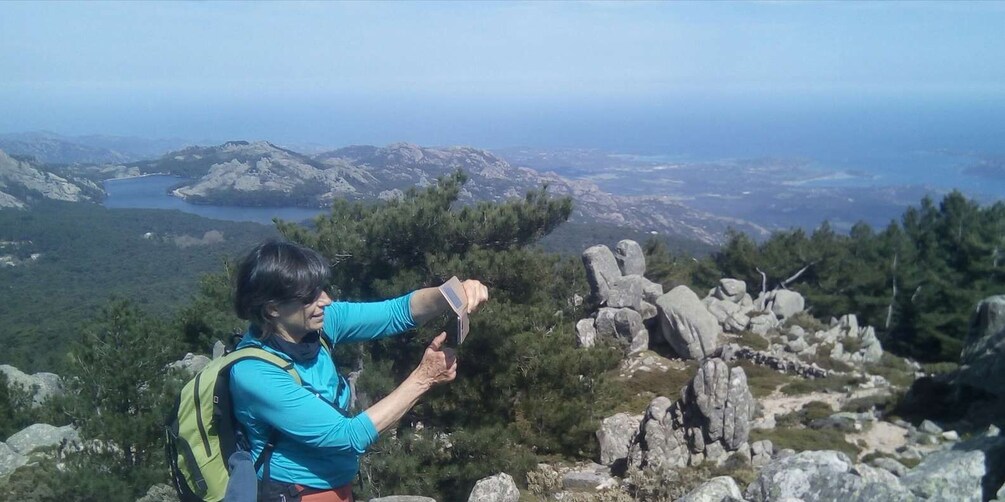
[438, 365]
[475, 293]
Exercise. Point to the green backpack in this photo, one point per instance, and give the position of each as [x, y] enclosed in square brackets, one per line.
[202, 432]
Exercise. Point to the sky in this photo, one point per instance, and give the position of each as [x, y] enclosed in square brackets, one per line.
[494, 74]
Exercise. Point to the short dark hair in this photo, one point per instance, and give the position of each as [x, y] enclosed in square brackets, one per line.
[278, 271]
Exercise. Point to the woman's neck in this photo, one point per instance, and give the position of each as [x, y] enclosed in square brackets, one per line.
[282, 334]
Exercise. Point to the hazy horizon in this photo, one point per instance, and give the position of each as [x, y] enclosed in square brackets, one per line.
[851, 85]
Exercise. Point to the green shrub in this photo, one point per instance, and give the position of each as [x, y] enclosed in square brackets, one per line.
[894, 369]
[762, 380]
[802, 439]
[806, 321]
[753, 340]
[633, 395]
[811, 411]
[832, 383]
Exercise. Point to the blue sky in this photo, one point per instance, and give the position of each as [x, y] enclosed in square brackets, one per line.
[433, 71]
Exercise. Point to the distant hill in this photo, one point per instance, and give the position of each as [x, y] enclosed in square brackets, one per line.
[23, 181]
[51, 148]
[263, 174]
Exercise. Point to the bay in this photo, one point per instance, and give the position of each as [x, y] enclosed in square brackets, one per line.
[151, 192]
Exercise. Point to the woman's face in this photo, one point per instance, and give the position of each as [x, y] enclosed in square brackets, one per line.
[296, 319]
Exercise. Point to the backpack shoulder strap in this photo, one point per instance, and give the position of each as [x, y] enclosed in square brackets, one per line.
[263, 355]
[327, 345]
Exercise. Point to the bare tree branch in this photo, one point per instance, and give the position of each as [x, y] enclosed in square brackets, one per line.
[795, 276]
[893, 295]
[764, 280]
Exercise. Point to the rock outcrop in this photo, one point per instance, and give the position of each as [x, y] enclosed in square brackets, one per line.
[982, 362]
[687, 325]
[625, 302]
[616, 435]
[710, 422]
[823, 475]
[971, 470]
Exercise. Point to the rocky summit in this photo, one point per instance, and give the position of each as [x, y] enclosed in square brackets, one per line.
[23, 181]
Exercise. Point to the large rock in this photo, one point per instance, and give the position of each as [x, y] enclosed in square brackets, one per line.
[616, 435]
[190, 364]
[41, 386]
[983, 358]
[601, 270]
[661, 443]
[820, 475]
[623, 326]
[586, 333]
[631, 259]
[971, 470]
[717, 489]
[785, 303]
[730, 289]
[687, 325]
[10, 460]
[588, 479]
[40, 436]
[731, 316]
[632, 291]
[498, 488]
[724, 402]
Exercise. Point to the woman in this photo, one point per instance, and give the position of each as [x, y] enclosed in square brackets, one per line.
[316, 444]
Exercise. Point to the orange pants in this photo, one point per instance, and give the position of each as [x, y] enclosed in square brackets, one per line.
[340, 494]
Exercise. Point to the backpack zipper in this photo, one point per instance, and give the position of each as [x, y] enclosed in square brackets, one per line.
[198, 417]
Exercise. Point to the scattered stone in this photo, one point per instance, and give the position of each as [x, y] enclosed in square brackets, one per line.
[498, 488]
[761, 452]
[219, 349]
[586, 333]
[714, 490]
[686, 324]
[929, 427]
[591, 479]
[890, 465]
[951, 436]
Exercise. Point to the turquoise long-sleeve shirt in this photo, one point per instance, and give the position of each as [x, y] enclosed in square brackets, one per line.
[317, 446]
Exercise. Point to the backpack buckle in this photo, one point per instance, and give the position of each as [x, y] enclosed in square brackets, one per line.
[216, 399]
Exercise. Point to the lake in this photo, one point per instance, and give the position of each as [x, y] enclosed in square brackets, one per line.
[151, 192]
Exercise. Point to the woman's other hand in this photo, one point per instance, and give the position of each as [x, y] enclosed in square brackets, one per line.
[438, 365]
[475, 293]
